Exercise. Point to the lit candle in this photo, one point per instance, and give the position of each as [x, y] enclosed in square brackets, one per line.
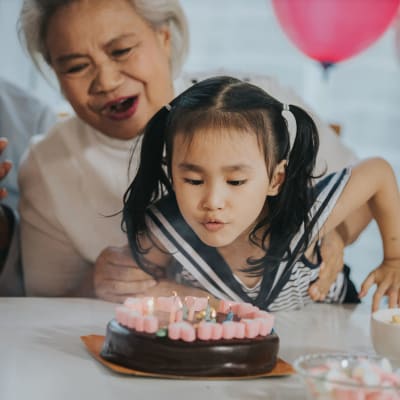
[148, 306]
[185, 312]
[195, 304]
[229, 316]
[208, 310]
[190, 304]
[176, 305]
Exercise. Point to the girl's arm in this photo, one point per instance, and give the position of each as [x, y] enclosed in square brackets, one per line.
[373, 182]
[332, 247]
[159, 257]
[351, 228]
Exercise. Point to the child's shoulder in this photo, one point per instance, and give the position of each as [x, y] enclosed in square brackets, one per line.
[166, 203]
[165, 209]
[331, 181]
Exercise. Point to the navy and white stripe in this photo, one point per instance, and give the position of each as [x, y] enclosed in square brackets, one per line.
[202, 266]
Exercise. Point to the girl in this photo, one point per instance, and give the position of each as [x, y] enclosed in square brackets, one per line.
[223, 200]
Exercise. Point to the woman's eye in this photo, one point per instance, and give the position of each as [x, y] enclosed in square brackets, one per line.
[76, 68]
[121, 52]
[237, 182]
[194, 182]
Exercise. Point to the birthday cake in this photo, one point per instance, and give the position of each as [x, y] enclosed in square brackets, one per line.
[167, 336]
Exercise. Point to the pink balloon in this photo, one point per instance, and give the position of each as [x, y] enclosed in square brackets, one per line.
[333, 30]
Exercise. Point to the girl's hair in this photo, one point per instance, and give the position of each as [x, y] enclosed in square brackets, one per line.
[35, 16]
[225, 103]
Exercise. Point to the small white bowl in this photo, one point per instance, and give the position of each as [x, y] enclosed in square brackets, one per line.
[385, 334]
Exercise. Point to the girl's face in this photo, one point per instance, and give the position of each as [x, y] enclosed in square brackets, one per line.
[221, 184]
[111, 65]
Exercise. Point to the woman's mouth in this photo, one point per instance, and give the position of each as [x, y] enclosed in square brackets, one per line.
[121, 108]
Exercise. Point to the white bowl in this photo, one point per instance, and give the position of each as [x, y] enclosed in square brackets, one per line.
[385, 334]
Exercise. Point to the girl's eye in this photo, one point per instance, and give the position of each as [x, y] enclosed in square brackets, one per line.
[237, 182]
[194, 182]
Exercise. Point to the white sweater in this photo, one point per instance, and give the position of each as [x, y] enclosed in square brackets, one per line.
[74, 176]
[71, 181]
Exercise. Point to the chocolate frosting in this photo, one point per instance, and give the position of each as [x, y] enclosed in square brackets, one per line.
[204, 358]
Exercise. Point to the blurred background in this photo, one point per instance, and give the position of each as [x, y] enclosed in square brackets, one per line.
[362, 94]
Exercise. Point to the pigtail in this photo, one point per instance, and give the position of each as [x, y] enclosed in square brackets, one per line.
[150, 182]
[291, 207]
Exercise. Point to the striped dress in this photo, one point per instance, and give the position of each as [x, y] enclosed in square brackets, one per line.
[281, 288]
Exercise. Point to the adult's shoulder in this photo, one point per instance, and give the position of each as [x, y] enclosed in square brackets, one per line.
[54, 149]
[67, 130]
[24, 112]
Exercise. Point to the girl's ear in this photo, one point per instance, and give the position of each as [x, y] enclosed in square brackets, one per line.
[278, 178]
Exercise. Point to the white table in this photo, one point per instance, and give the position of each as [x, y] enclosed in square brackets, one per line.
[42, 356]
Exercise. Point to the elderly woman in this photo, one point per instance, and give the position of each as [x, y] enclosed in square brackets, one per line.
[115, 62]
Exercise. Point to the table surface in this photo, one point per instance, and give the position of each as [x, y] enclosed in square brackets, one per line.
[42, 356]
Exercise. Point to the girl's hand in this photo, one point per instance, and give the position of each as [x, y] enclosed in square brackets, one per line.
[332, 248]
[387, 279]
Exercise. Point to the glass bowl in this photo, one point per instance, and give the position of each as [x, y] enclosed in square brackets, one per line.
[385, 333]
[344, 376]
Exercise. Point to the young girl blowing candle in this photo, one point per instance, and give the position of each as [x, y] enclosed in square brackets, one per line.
[224, 200]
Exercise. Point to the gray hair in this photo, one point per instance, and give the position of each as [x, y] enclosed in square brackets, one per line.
[35, 16]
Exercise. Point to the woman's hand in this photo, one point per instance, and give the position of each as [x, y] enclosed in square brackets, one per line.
[116, 276]
[5, 230]
[5, 167]
[332, 248]
[387, 279]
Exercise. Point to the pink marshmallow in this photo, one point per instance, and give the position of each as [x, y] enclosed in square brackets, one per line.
[174, 330]
[195, 304]
[265, 325]
[228, 329]
[348, 394]
[204, 330]
[121, 314]
[188, 333]
[245, 309]
[378, 395]
[179, 316]
[150, 324]
[164, 304]
[225, 306]
[148, 305]
[252, 328]
[139, 323]
[216, 332]
[134, 303]
[131, 320]
[262, 314]
[181, 330]
[240, 330]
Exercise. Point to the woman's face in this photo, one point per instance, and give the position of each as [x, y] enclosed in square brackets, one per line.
[111, 65]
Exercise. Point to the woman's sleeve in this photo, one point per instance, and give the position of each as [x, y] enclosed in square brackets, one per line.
[11, 283]
[51, 264]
